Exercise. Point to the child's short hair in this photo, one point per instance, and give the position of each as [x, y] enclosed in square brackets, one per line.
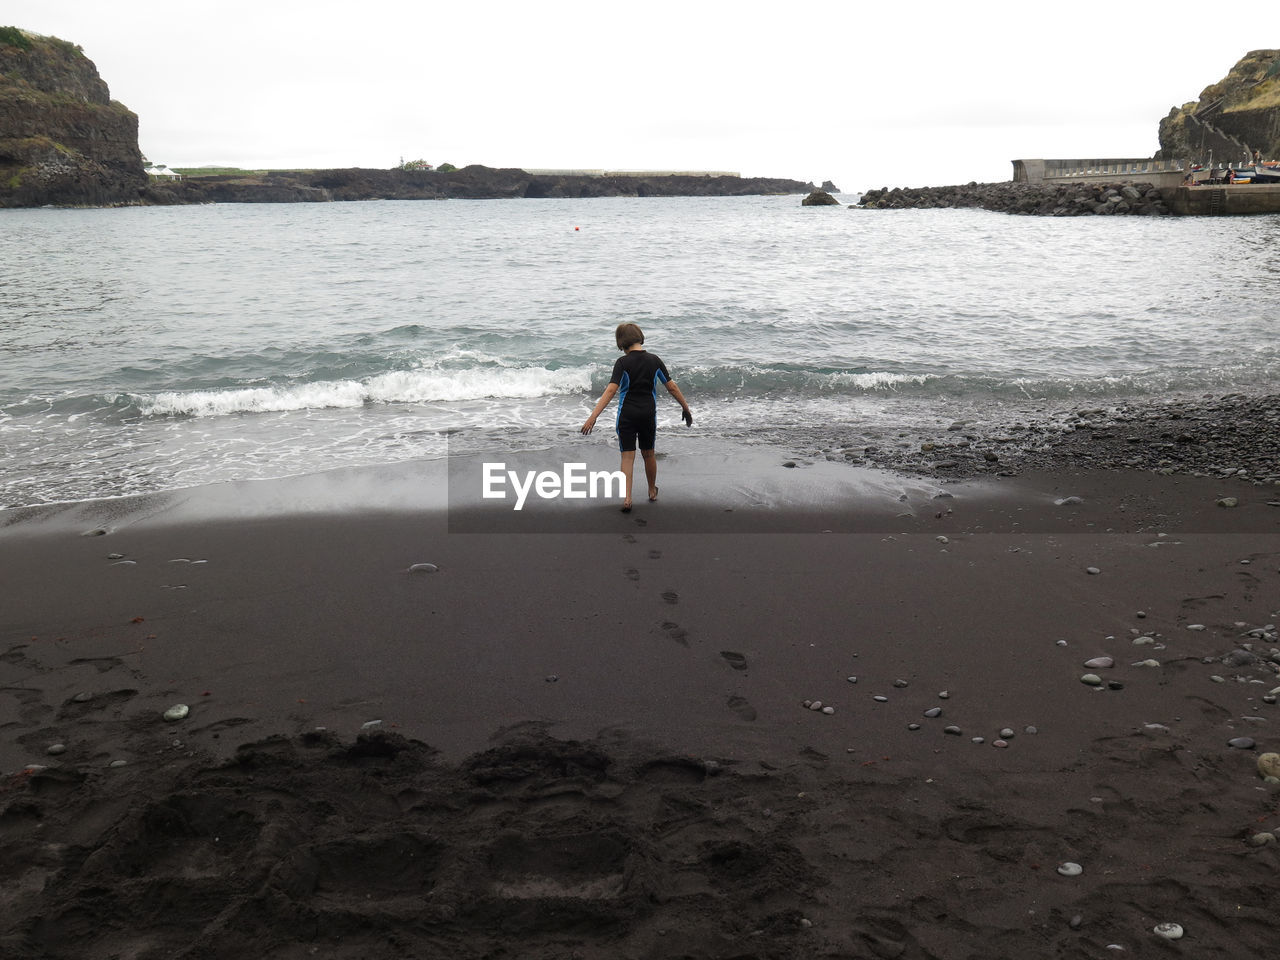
[628, 335]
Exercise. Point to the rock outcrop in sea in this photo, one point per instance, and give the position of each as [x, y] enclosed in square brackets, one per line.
[819, 198]
[63, 140]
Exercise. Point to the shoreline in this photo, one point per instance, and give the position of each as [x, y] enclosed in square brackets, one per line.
[581, 739]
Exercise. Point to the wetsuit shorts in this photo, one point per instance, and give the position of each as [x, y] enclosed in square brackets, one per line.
[642, 432]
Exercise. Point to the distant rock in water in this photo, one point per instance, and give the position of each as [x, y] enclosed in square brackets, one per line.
[819, 198]
[63, 140]
[830, 187]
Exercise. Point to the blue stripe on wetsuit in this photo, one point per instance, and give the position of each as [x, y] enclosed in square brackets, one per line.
[623, 385]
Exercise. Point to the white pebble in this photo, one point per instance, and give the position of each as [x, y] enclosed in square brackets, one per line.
[1195, 626]
[1069, 869]
[1170, 931]
[178, 711]
[370, 724]
[423, 568]
[828, 710]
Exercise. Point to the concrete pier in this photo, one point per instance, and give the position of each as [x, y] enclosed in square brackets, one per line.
[1215, 200]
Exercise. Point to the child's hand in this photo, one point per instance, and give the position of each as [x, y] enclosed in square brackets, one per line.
[687, 417]
[586, 427]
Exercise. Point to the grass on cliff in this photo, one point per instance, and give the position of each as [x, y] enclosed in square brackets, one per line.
[218, 172]
[14, 37]
[1266, 95]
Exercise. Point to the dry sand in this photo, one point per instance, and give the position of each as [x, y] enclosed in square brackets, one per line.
[591, 740]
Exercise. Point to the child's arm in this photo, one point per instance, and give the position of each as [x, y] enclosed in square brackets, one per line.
[675, 392]
[605, 397]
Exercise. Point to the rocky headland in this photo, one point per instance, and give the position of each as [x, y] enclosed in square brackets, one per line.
[63, 140]
[475, 182]
[1242, 110]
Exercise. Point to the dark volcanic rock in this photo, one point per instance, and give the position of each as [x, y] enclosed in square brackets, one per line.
[473, 182]
[819, 198]
[1041, 199]
[63, 140]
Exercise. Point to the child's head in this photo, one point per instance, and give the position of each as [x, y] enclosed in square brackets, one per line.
[628, 335]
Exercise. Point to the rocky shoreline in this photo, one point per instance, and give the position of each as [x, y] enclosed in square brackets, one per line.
[475, 182]
[1229, 437]
[1040, 199]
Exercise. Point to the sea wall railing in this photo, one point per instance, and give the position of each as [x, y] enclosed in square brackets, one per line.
[1037, 171]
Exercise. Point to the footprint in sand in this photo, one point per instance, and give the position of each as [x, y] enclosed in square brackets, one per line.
[655, 554]
[641, 522]
[628, 538]
[632, 573]
[670, 596]
[735, 660]
[676, 632]
[742, 708]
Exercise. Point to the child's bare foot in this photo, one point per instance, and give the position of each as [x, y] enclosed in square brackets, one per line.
[626, 506]
[653, 494]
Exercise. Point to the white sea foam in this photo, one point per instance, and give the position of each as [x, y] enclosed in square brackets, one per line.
[423, 385]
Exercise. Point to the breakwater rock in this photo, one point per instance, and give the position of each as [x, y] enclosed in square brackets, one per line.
[475, 182]
[63, 140]
[1039, 199]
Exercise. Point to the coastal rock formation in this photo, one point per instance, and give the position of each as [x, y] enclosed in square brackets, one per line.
[1240, 112]
[1044, 199]
[474, 182]
[63, 140]
[819, 198]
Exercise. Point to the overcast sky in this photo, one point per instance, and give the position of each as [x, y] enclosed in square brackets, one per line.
[864, 94]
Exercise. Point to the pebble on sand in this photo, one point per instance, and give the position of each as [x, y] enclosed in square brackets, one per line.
[1091, 679]
[178, 711]
[1069, 869]
[1229, 502]
[423, 568]
[1241, 743]
[1269, 765]
[57, 748]
[1099, 663]
[1093, 571]
[1170, 931]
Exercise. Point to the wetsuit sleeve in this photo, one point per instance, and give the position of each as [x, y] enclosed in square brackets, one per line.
[660, 375]
[616, 376]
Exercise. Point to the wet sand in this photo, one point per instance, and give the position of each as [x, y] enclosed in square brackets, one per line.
[590, 741]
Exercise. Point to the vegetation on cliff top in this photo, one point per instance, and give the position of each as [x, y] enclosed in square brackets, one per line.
[13, 37]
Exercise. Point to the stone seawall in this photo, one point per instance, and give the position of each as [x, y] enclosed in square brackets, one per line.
[1038, 199]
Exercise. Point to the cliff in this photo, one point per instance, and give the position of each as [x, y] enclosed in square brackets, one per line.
[1242, 110]
[474, 182]
[63, 140]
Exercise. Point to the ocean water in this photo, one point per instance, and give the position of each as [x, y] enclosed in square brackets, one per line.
[152, 349]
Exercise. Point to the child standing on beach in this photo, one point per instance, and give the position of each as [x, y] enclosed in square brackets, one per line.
[635, 380]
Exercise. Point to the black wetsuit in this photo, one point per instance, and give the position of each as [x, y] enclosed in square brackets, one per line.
[637, 374]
